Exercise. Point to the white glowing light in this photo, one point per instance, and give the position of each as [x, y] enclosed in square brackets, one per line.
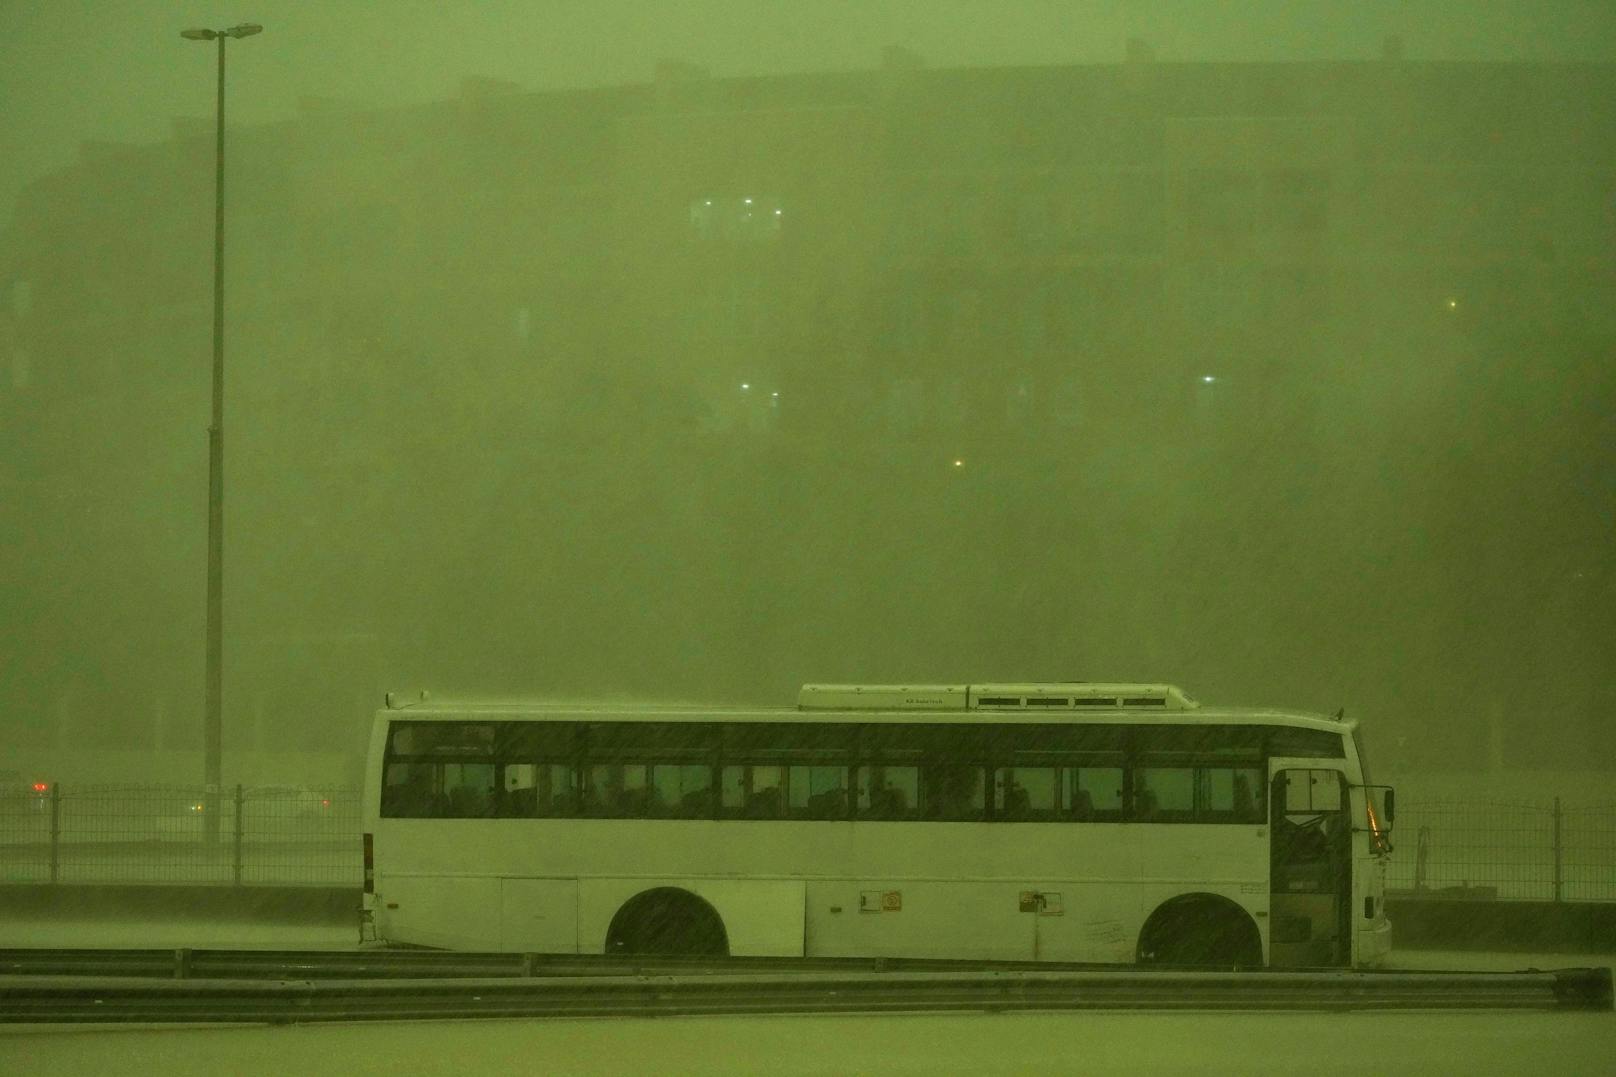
[959, 463]
[746, 385]
[1208, 379]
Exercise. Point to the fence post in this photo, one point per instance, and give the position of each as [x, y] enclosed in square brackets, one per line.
[56, 832]
[235, 857]
[1558, 852]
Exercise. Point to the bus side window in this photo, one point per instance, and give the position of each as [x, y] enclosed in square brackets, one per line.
[408, 791]
[520, 799]
[683, 790]
[951, 791]
[817, 792]
[1094, 793]
[887, 792]
[618, 791]
[470, 790]
[557, 792]
[1162, 794]
[1025, 793]
[1230, 794]
[753, 792]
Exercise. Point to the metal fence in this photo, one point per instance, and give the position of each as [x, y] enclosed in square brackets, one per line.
[280, 835]
[1519, 851]
[286, 835]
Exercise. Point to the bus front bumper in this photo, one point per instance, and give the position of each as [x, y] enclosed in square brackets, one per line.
[1375, 942]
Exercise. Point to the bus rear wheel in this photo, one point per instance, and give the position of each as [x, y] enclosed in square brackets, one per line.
[1201, 929]
[667, 922]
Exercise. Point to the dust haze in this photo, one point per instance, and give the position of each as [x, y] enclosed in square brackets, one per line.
[699, 357]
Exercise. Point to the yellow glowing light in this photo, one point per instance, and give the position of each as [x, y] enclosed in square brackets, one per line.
[959, 463]
[1453, 304]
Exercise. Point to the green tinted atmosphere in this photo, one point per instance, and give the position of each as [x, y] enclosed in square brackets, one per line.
[695, 352]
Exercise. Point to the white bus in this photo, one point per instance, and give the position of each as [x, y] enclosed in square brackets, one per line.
[1057, 822]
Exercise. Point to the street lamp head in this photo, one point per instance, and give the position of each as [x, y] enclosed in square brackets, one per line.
[246, 29]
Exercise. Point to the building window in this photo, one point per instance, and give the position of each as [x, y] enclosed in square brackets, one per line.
[737, 218]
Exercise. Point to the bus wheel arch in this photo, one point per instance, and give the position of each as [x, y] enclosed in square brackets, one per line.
[1200, 929]
[667, 921]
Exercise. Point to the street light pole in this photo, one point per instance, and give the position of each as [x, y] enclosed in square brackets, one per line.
[213, 708]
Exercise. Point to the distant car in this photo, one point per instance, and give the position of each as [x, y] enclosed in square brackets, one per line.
[182, 819]
[21, 794]
[269, 808]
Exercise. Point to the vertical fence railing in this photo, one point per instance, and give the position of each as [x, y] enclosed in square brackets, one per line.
[1559, 854]
[55, 832]
[235, 844]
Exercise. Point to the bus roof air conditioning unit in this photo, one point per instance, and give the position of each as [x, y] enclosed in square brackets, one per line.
[882, 697]
[1071, 695]
[1079, 695]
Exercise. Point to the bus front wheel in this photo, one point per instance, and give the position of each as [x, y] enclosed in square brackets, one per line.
[667, 921]
[1201, 929]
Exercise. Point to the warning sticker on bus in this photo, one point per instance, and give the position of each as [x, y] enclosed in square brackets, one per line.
[880, 901]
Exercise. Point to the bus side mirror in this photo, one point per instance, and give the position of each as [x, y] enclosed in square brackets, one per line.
[1391, 806]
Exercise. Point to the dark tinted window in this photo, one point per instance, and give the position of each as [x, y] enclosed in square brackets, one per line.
[651, 740]
[953, 792]
[873, 771]
[794, 740]
[1305, 743]
[1054, 743]
[1184, 743]
[1201, 774]
[443, 739]
[888, 792]
[436, 790]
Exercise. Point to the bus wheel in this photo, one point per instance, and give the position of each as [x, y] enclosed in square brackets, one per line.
[667, 921]
[1200, 929]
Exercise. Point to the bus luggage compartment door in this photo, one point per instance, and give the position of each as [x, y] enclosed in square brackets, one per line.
[538, 916]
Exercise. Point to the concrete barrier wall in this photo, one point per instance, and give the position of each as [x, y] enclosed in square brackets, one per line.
[290, 905]
[1470, 924]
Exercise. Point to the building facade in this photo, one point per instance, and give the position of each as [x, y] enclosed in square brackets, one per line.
[1196, 370]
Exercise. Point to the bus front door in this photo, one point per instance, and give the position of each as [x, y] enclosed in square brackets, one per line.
[1310, 868]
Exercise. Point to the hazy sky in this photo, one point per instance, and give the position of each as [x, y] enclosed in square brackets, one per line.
[72, 70]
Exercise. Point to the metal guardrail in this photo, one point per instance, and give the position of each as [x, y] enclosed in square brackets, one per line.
[411, 985]
[76, 999]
